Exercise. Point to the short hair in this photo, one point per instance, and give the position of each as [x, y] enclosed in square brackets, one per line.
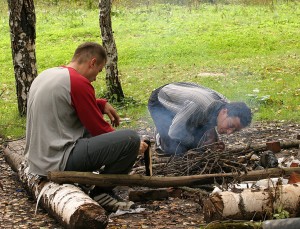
[240, 110]
[88, 50]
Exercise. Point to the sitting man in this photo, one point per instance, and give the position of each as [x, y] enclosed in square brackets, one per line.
[189, 116]
[65, 127]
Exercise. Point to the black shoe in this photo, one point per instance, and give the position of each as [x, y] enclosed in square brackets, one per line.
[112, 203]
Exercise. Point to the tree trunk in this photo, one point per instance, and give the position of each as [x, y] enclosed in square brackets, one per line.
[109, 180]
[67, 203]
[22, 30]
[252, 204]
[113, 84]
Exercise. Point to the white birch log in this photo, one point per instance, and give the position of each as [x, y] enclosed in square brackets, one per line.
[66, 202]
[251, 204]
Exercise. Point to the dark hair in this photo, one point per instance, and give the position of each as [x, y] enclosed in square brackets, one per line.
[88, 50]
[240, 110]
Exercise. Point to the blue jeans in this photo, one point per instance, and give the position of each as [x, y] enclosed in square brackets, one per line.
[162, 119]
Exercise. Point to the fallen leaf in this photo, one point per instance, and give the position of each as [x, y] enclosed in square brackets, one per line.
[294, 178]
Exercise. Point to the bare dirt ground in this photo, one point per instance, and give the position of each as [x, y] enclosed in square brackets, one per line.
[17, 208]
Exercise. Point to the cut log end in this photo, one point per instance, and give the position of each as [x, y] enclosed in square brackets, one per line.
[213, 208]
[87, 216]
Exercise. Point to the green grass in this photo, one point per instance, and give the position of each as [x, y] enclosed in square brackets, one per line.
[256, 46]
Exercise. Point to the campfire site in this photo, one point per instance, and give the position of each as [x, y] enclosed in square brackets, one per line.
[250, 155]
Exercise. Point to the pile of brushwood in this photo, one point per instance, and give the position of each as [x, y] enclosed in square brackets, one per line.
[205, 160]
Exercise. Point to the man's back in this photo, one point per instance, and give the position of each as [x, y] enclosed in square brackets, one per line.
[176, 96]
[52, 124]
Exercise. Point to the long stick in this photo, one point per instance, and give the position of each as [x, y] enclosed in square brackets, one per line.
[108, 180]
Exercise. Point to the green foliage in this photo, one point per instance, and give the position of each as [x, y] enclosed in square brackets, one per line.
[281, 213]
[232, 48]
[256, 100]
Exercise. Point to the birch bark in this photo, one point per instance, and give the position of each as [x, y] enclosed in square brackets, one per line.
[252, 204]
[115, 91]
[22, 32]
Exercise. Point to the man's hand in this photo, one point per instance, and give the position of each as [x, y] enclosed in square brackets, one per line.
[218, 146]
[112, 114]
[210, 140]
[209, 137]
[143, 147]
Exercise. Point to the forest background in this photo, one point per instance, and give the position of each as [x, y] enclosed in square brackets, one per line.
[248, 50]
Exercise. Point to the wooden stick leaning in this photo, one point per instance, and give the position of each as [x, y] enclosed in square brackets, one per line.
[148, 158]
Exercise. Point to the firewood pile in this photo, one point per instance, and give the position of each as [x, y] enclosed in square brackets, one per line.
[207, 162]
[199, 161]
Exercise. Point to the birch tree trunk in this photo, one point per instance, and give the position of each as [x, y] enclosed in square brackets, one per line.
[115, 91]
[22, 30]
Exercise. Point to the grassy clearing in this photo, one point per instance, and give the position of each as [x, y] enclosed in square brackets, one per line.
[255, 47]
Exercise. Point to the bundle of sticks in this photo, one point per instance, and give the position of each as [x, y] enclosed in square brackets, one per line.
[194, 162]
[207, 160]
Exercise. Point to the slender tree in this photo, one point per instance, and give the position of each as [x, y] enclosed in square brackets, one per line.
[22, 30]
[115, 91]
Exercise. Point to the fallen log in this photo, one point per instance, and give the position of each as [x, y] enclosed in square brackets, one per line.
[252, 204]
[109, 180]
[67, 203]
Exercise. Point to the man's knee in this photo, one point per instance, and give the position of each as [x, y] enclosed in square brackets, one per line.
[134, 140]
[133, 146]
[132, 136]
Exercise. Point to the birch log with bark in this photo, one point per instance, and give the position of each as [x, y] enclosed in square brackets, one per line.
[22, 31]
[67, 203]
[115, 91]
[253, 204]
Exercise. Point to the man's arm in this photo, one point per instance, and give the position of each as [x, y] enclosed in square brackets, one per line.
[180, 129]
[108, 109]
[85, 104]
[112, 114]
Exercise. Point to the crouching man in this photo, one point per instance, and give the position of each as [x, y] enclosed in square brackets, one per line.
[188, 116]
